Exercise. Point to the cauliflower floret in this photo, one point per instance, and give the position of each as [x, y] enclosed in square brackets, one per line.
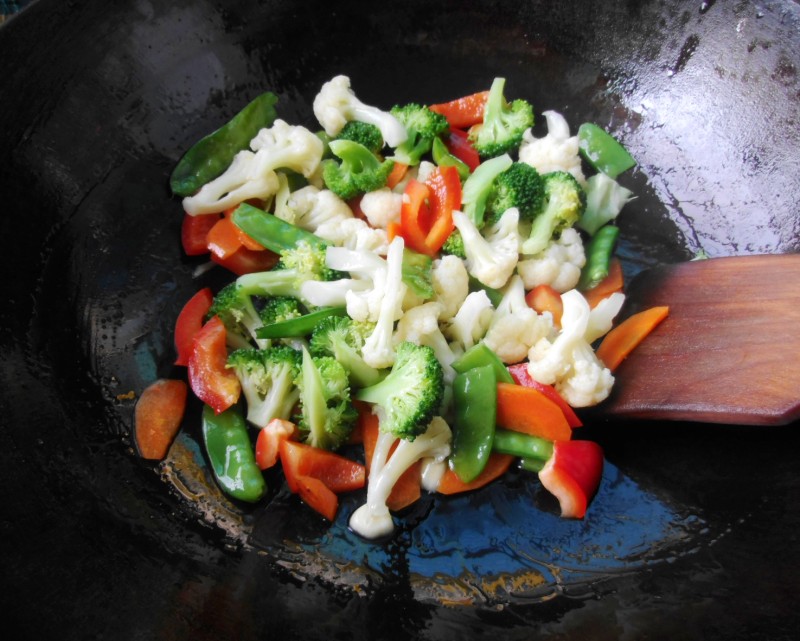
[568, 362]
[285, 146]
[355, 234]
[336, 104]
[491, 259]
[472, 320]
[601, 318]
[420, 325]
[381, 207]
[558, 265]
[310, 207]
[557, 151]
[515, 326]
[451, 284]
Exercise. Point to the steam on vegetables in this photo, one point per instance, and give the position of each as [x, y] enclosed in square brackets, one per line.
[416, 298]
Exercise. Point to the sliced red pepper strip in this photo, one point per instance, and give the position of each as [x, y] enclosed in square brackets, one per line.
[573, 475]
[413, 215]
[463, 112]
[247, 261]
[520, 374]
[338, 473]
[190, 320]
[158, 415]
[459, 145]
[544, 298]
[268, 443]
[426, 215]
[194, 233]
[223, 238]
[317, 496]
[211, 381]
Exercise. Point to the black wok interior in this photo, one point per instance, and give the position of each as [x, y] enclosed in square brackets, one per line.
[98, 100]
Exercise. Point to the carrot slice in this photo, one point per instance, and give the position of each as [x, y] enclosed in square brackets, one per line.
[407, 488]
[244, 239]
[527, 410]
[613, 282]
[544, 298]
[158, 415]
[397, 174]
[624, 338]
[496, 466]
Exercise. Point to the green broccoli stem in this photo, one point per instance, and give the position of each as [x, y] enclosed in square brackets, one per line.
[598, 256]
[478, 187]
[270, 231]
[524, 446]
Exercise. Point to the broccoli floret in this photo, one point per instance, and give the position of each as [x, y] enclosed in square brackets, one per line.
[423, 126]
[359, 171]
[234, 307]
[280, 308]
[503, 123]
[327, 415]
[363, 133]
[342, 338]
[478, 186]
[268, 378]
[411, 394]
[296, 266]
[564, 203]
[518, 186]
[454, 245]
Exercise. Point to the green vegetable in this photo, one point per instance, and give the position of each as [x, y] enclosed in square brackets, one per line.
[494, 295]
[270, 231]
[598, 256]
[565, 201]
[267, 377]
[230, 453]
[475, 403]
[358, 171]
[443, 158]
[327, 415]
[503, 123]
[454, 245]
[278, 309]
[301, 325]
[423, 126]
[235, 309]
[411, 394]
[481, 355]
[342, 338]
[602, 151]
[364, 133]
[211, 156]
[478, 186]
[524, 446]
[417, 273]
[519, 186]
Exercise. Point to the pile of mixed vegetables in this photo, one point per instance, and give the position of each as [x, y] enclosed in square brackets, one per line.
[421, 287]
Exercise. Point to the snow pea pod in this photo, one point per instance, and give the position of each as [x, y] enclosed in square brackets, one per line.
[231, 455]
[475, 402]
[270, 231]
[598, 256]
[479, 355]
[210, 156]
[602, 151]
[300, 326]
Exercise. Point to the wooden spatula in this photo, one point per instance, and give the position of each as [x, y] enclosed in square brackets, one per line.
[729, 351]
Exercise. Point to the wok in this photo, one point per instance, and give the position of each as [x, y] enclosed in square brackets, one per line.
[694, 532]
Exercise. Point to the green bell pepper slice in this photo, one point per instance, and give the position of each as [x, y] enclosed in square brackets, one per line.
[210, 156]
[475, 403]
[231, 455]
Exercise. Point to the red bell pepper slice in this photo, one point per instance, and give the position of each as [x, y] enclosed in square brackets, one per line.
[158, 415]
[194, 233]
[190, 320]
[519, 373]
[463, 112]
[338, 473]
[317, 496]
[211, 381]
[572, 475]
[426, 215]
[459, 145]
[247, 261]
[544, 298]
[268, 443]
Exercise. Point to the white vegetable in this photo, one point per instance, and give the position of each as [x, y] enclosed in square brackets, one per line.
[381, 207]
[451, 284]
[355, 234]
[420, 325]
[557, 151]
[491, 259]
[601, 318]
[252, 173]
[373, 519]
[568, 362]
[515, 326]
[472, 320]
[336, 104]
[605, 198]
[558, 265]
[310, 208]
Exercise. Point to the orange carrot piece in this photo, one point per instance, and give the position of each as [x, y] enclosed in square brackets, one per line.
[544, 298]
[496, 466]
[407, 488]
[397, 174]
[158, 415]
[245, 240]
[527, 410]
[624, 338]
[613, 282]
